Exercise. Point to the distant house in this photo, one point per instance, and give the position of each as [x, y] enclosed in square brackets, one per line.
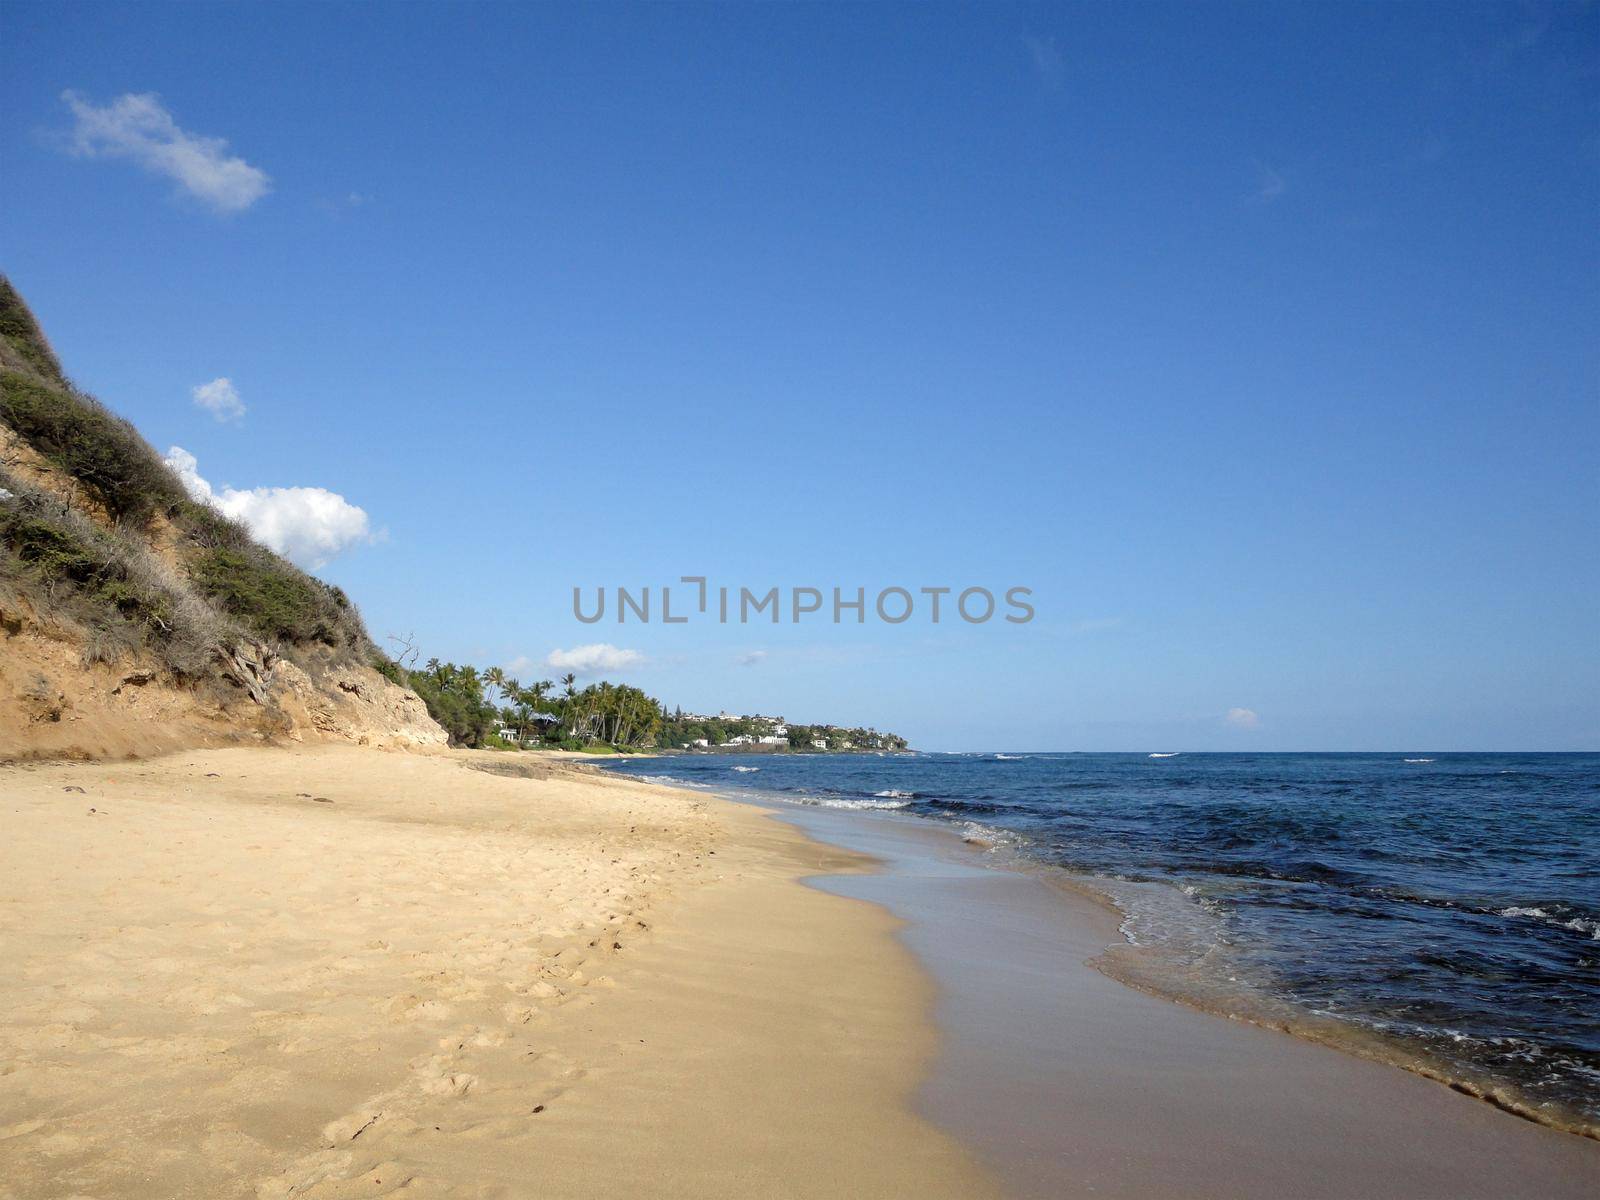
[819, 743]
[743, 739]
[701, 743]
[773, 739]
[539, 725]
[780, 730]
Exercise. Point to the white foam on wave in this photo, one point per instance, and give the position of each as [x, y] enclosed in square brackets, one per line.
[892, 794]
[746, 770]
[1010, 757]
[1576, 924]
[862, 805]
[1419, 760]
[1178, 921]
[672, 781]
[987, 836]
[1169, 754]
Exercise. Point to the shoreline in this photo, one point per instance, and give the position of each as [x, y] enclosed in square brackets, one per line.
[1185, 964]
[331, 972]
[1072, 1080]
[317, 973]
[1154, 971]
[1142, 968]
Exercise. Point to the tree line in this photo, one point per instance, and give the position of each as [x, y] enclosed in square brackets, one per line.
[492, 708]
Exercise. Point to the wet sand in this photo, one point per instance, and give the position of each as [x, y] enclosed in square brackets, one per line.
[1071, 1084]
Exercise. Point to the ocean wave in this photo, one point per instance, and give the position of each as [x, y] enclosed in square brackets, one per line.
[952, 805]
[1168, 754]
[1329, 888]
[863, 804]
[988, 837]
[1178, 921]
[1561, 920]
[1419, 760]
[746, 770]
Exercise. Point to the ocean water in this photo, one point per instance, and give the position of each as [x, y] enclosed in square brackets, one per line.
[1447, 905]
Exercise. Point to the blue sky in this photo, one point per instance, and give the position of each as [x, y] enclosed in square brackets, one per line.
[1259, 341]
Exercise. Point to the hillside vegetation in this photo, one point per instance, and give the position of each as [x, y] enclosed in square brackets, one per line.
[103, 551]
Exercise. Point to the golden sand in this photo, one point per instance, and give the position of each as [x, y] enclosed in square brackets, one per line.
[342, 972]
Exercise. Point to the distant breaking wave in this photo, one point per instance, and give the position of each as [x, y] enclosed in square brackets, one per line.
[747, 769]
[1168, 754]
[1419, 760]
[863, 805]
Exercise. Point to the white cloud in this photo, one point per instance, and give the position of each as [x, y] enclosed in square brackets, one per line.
[307, 525]
[1270, 184]
[1242, 718]
[337, 206]
[219, 398]
[1047, 62]
[753, 658]
[138, 127]
[598, 656]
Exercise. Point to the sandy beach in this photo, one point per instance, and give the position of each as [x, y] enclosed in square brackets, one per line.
[339, 972]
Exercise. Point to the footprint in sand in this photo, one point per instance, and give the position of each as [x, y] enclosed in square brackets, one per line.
[349, 1128]
[336, 1176]
[437, 1077]
[412, 1007]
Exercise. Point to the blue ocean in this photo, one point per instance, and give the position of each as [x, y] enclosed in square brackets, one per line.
[1446, 903]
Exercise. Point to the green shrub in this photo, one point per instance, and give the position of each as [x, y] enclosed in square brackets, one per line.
[116, 584]
[455, 699]
[115, 591]
[94, 446]
[276, 603]
[210, 529]
[269, 595]
[22, 342]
